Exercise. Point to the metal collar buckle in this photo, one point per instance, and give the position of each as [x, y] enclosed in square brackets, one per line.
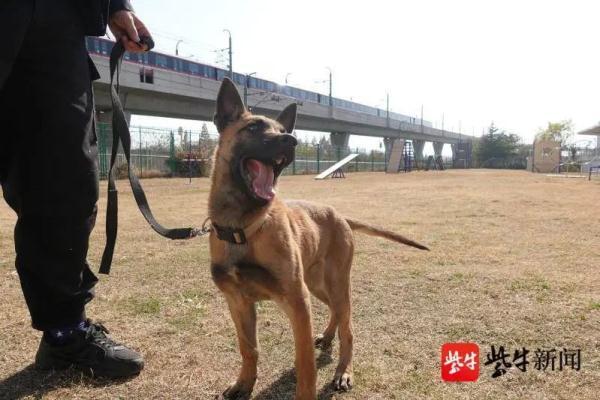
[231, 235]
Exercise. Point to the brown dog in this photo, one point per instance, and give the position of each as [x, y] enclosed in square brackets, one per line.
[262, 248]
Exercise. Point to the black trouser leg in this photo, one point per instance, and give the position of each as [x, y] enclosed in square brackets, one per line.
[48, 164]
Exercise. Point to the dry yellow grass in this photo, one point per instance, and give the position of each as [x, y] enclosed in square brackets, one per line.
[514, 262]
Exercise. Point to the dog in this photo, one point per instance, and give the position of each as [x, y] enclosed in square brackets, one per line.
[263, 248]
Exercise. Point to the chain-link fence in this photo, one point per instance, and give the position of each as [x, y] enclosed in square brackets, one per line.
[158, 152]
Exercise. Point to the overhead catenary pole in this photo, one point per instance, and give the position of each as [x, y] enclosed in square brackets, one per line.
[330, 87]
[246, 88]
[422, 127]
[387, 108]
[230, 55]
[442, 124]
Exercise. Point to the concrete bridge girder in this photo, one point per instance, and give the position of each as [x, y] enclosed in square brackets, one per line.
[176, 95]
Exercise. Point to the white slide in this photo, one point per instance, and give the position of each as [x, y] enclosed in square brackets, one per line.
[335, 166]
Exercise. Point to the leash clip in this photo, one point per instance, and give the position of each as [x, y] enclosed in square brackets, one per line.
[205, 230]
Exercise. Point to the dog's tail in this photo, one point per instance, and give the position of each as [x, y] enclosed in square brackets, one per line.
[376, 231]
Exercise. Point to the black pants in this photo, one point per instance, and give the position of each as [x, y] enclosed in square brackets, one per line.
[48, 155]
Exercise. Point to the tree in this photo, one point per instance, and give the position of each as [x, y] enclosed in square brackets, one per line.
[561, 131]
[497, 149]
[205, 143]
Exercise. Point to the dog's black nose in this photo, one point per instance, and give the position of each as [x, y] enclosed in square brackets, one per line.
[288, 140]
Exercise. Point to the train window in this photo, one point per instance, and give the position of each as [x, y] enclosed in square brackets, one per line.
[239, 78]
[161, 60]
[184, 65]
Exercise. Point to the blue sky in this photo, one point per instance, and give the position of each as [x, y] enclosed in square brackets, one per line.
[517, 63]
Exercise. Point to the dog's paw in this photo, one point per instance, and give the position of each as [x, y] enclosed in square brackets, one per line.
[322, 342]
[235, 392]
[342, 382]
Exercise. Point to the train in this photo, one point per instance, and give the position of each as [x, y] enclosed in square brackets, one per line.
[102, 47]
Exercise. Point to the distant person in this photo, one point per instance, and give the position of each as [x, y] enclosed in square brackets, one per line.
[49, 169]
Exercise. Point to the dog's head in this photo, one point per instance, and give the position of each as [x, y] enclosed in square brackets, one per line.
[256, 148]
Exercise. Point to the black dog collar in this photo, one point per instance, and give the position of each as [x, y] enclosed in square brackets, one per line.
[238, 235]
[231, 235]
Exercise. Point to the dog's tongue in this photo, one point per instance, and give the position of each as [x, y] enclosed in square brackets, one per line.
[262, 179]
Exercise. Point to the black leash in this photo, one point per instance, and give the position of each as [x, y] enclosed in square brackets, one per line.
[121, 133]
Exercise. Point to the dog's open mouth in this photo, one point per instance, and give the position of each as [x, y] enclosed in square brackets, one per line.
[261, 175]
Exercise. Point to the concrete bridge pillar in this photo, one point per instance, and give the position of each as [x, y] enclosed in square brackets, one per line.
[437, 148]
[388, 143]
[418, 146]
[455, 151]
[339, 139]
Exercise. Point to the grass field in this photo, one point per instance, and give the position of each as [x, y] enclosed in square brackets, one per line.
[515, 262]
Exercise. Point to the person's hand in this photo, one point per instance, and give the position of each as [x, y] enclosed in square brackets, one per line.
[127, 28]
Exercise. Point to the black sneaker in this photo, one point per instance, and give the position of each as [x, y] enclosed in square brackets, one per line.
[91, 351]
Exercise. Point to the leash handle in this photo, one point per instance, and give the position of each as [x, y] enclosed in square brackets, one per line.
[121, 134]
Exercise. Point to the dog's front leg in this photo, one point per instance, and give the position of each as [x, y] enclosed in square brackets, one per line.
[297, 306]
[243, 314]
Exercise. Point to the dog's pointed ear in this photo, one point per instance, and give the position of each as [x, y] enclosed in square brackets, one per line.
[287, 118]
[229, 105]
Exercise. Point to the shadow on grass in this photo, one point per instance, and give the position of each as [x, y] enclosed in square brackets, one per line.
[30, 382]
[285, 386]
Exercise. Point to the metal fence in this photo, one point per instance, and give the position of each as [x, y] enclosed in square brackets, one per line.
[159, 152]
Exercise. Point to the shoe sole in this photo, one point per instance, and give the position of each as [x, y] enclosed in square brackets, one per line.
[61, 365]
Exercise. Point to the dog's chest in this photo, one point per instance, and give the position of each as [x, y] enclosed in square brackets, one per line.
[235, 272]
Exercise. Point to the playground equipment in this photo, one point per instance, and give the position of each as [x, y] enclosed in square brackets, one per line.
[336, 169]
[436, 163]
[587, 167]
[409, 156]
[402, 157]
[592, 169]
[545, 157]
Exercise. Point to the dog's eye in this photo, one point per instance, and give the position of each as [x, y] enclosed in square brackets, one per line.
[252, 128]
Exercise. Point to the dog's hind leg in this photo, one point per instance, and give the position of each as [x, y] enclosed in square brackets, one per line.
[323, 340]
[342, 379]
[243, 314]
[341, 305]
[316, 281]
